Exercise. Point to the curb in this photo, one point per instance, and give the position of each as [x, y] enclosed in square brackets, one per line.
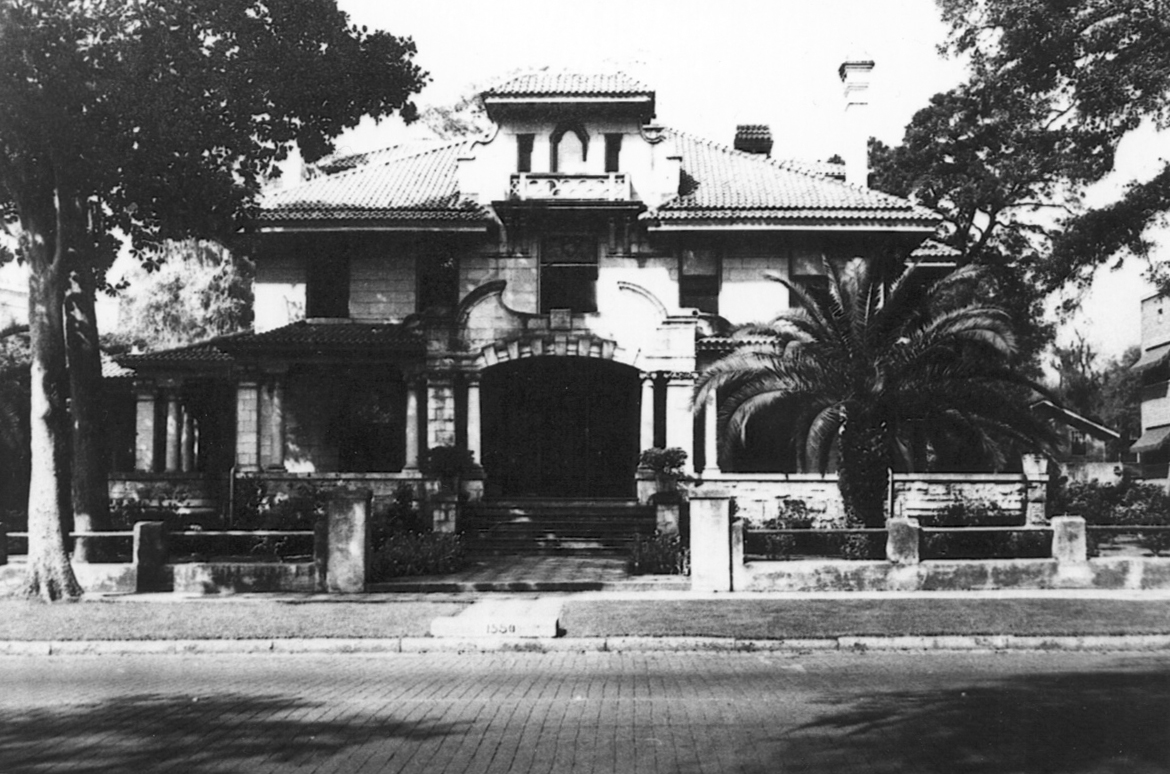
[850, 644]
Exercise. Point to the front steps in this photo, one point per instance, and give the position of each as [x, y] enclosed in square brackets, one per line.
[539, 526]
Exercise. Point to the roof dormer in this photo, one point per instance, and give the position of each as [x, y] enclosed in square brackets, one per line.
[551, 95]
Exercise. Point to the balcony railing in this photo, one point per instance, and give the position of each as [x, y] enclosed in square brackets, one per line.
[612, 187]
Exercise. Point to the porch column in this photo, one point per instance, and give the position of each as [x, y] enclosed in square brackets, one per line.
[248, 425]
[711, 436]
[145, 396]
[440, 411]
[174, 431]
[411, 425]
[187, 460]
[680, 420]
[647, 427]
[474, 434]
[275, 428]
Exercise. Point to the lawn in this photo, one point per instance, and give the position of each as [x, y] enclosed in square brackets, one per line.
[219, 619]
[814, 618]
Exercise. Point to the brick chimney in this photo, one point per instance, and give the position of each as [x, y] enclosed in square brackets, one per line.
[754, 138]
[855, 75]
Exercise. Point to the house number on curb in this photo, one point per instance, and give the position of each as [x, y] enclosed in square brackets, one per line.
[501, 628]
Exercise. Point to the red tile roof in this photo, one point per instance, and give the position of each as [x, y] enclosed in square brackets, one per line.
[401, 183]
[722, 184]
[330, 335]
[559, 84]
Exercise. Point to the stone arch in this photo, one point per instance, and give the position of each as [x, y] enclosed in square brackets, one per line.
[646, 295]
[571, 343]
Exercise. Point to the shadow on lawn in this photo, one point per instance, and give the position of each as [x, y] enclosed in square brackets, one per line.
[230, 732]
[1117, 721]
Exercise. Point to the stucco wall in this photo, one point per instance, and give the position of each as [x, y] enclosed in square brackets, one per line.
[279, 291]
[382, 283]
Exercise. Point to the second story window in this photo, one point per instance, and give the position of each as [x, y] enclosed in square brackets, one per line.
[438, 281]
[524, 152]
[698, 280]
[613, 151]
[327, 283]
[568, 149]
[568, 273]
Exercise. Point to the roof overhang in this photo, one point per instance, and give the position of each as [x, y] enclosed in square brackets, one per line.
[1075, 420]
[698, 224]
[1154, 439]
[394, 226]
[1153, 356]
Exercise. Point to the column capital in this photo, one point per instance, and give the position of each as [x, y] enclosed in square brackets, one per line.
[679, 376]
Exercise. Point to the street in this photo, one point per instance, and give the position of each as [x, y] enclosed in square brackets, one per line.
[588, 712]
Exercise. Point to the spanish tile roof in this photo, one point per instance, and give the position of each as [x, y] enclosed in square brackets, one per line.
[192, 355]
[398, 184]
[329, 335]
[723, 184]
[934, 251]
[559, 84]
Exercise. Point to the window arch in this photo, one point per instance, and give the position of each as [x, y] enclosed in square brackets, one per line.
[568, 159]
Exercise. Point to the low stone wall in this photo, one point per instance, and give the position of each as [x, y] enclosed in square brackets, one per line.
[94, 578]
[761, 497]
[244, 577]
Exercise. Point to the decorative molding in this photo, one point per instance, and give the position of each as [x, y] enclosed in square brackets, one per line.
[637, 289]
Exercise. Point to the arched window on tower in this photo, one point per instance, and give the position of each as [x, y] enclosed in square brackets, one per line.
[569, 149]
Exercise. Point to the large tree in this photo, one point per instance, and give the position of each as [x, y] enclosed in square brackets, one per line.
[880, 375]
[157, 120]
[1093, 70]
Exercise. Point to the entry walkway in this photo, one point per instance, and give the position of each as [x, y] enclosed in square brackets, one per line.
[538, 573]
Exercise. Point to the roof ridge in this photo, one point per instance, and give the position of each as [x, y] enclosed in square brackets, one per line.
[212, 341]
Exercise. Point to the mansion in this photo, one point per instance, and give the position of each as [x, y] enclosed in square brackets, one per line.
[542, 296]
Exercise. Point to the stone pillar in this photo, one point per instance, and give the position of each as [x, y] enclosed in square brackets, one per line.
[902, 541]
[1070, 549]
[711, 436]
[174, 444]
[711, 542]
[150, 555]
[410, 425]
[187, 461]
[739, 580]
[1035, 489]
[248, 426]
[680, 420]
[349, 541]
[440, 411]
[474, 427]
[647, 425]
[275, 427]
[144, 458]
[3, 546]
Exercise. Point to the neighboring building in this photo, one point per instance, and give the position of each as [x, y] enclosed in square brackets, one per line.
[1086, 450]
[1153, 447]
[542, 296]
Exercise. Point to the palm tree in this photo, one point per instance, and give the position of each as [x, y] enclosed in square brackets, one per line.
[877, 374]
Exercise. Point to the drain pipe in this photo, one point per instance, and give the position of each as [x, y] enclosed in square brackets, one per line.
[231, 511]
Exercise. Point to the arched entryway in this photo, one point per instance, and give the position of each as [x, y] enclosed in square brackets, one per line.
[560, 427]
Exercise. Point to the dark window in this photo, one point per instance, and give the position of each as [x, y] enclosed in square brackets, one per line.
[524, 152]
[815, 285]
[438, 281]
[698, 280]
[613, 151]
[327, 285]
[568, 273]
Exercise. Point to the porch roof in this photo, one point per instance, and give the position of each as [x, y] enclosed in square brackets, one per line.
[1152, 439]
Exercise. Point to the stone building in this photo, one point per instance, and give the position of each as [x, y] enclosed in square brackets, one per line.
[1153, 447]
[542, 296]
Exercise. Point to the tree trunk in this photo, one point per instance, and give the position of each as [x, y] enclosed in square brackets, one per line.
[90, 476]
[862, 477]
[50, 575]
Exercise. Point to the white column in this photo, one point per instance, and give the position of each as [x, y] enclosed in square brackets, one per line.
[174, 432]
[711, 436]
[248, 425]
[187, 457]
[647, 410]
[144, 427]
[474, 430]
[680, 420]
[276, 423]
[411, 425]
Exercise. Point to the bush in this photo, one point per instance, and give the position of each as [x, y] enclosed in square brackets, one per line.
[664, 462]
[986, 544]
[659, 555]
[401, 515]
[1125, 504]
[449, 462]
[418, 553]
[973, 513]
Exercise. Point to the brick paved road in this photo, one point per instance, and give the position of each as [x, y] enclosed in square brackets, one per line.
[599, 712]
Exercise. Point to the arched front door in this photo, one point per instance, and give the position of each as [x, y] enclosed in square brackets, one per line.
[560, 427]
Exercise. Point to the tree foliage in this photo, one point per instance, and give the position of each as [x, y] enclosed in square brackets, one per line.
[881, 376]
[159, 120]
[1106, 391]
[1092, 70]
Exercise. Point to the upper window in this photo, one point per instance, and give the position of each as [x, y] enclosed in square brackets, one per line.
[613, 151]
[438, 281]
[327, 284]
[568, 273]
[568, 149]
[698, 280]
[524, 152]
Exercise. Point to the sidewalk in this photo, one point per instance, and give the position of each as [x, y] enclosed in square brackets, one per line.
[595, 621]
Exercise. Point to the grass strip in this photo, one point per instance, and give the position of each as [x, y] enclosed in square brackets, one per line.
[785, 619]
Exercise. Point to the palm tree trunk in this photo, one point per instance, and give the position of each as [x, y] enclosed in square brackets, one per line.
[862, 476]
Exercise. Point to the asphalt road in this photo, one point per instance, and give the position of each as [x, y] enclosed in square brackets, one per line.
[590, 712]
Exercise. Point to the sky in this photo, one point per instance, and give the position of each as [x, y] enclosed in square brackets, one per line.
[718, 64]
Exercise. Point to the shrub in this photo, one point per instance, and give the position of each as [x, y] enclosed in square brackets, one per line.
[659, 555]
[449, 462]
[779, 546]
[399, 516]
[857, 546]
[1127, 504]
[668, 462]
[964, 512]
[418, 553]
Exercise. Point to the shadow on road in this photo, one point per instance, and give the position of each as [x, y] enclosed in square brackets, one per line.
[197, 734]
[1116, 721]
